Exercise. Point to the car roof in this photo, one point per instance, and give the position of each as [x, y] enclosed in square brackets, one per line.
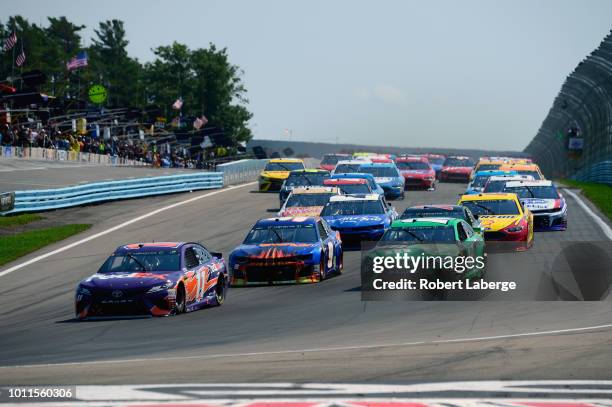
[488, 196]
[287, 221]
[286, 160]
[524, 167]
[517, 177]
[308, 171]
[314, 190]
[383, 165]
[353, 175]
[494, 172]
[444, 207]
[355, 198]
[344, 181]
[411, 159]
[150, 246]
[409, 222]
[529, 183]
[359, 162]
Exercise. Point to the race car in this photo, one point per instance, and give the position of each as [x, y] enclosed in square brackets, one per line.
[437, 237]
[524, 169]
[376, 189]
[349, 186]
[329, 161]
[417, 172]
[358, 218]
[307, 177]
[307, 201]
[287, 250]
[456, 169]
[380, 159]
[387, 176]
[486, 164]
[345, 166]
[480, 178]
[443, 211]
[436, 161]
[497, 183]
[155, 279]
[502, 217]
[547, 205]
[276, 172]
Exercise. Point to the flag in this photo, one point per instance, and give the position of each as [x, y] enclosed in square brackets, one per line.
[78, 61]
[10, 41]
[200, 122]
[177, 104]
[21, 58]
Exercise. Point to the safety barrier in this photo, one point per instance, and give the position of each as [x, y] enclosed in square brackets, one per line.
[600, 172]
[51, 154]
[47, 199]
[237, 172]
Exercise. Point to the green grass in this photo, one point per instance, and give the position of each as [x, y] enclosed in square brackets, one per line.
[14, 246]
[599, 194]
[18, 220]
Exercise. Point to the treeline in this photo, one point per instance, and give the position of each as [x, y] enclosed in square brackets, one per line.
[204, 78]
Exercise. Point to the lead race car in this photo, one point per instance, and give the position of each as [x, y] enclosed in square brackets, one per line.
[155, 279]
[287, 250]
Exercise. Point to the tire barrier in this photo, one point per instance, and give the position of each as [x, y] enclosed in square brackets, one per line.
[575, 139]
[48, 199]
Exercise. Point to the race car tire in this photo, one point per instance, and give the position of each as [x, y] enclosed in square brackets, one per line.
[220, 290]
[340, 263]
[180, 306]
[322, 267]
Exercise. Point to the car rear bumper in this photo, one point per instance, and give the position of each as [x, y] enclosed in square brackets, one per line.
[260, 274]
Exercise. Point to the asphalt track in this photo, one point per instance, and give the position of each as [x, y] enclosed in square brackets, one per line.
[320, 332]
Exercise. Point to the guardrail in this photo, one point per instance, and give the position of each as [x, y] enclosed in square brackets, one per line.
[241, 171]
[51, 154]
[47, 199]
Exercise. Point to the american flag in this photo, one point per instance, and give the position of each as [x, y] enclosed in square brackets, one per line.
[177, 104]
[21, 58]
[78, 61]
[200, 122]
[10, 41]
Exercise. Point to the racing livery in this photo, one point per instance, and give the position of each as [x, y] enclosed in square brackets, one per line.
[502, 217]
[307, 201]
[456, 169]
[286, 250]
[417, 172]
[307, 177]
[358, 218]
[387, 176]
[543, 200]
[276, 172]
[156, 279]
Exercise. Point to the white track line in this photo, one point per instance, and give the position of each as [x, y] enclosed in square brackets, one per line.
[603, 225]
[116, 227]
[313, 350]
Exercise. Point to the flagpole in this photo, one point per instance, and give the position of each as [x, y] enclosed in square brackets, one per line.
[13, 67]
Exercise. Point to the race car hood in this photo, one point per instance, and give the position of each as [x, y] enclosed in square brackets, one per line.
[302, 211]
[356, 220]
[129, 280]
[493, 223]
[274, 251]
[275, 174]
[539, 204]
[457, 170]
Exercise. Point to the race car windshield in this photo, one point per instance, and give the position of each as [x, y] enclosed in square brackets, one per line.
[308, 200]
[492, 207]
[458, 162]
[306, 179]
[379, 171]
[487, 167]
[436, 161]
[353, 208]
[428, 234]
[480, 180]
[432, 213]
[495, 186]
[412, 165]
[355, 189]
[284, 166]
[346, 168]
[331, 159]
[534, 174]
[166, 260]
[282, 234]
[541, 192]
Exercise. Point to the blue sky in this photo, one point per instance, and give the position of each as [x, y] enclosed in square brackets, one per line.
[402, 73]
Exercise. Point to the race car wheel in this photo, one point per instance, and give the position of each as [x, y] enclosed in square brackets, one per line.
[180, 305]
[339, 263]
[220, 290]
[322, 267]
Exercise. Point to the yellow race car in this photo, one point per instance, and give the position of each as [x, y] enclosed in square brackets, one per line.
[276, 172]
[502, 217]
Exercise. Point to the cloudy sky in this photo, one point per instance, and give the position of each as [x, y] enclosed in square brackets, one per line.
[477, 73]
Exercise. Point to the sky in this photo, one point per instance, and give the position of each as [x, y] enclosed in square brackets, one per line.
[426, 73]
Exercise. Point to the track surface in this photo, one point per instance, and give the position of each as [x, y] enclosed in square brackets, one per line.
[270, 323]
[18, 175]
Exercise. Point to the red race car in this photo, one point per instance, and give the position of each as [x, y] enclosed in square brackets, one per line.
[416, 172]
[456, 169]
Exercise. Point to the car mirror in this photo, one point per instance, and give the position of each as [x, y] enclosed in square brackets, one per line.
[218, 255]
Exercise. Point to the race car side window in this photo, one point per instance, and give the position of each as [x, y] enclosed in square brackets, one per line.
[327, 228]
[468, 229]
[202, 254]
[461, 232]
[469, 216]
[322, 231]
[191, 260]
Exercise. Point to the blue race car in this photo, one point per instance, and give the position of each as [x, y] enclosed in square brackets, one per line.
[358, 218]
[387, 176]
[376, 189]
[481, 177]
[154, 279]
[287, 250]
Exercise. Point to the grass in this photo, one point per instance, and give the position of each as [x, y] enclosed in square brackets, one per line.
[599, 194]
[14, 246]
[18, 220]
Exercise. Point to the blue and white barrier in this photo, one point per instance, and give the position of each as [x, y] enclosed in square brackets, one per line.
[47, 199]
